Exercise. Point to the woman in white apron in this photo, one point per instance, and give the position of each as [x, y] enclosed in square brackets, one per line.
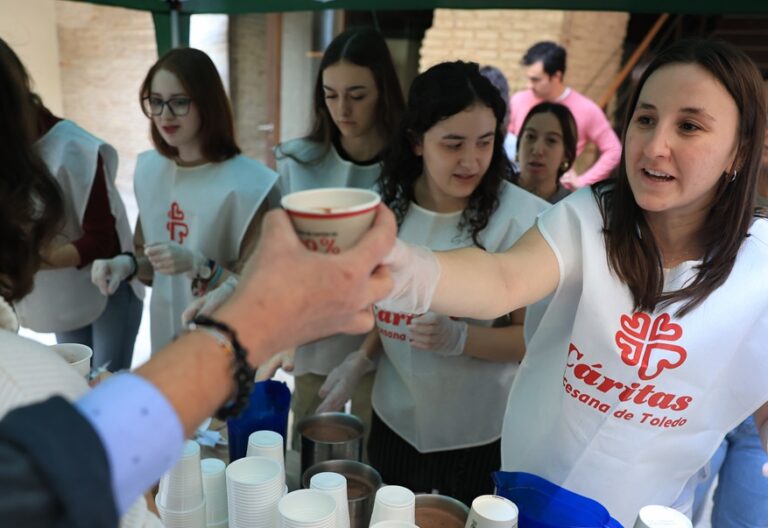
[200, 200]
[653, 346]
[442, 384]
[95, 226]
[546, 150]
[357, 105]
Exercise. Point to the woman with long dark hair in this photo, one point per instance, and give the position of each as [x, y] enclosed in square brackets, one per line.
[200, 200]
[653, 345]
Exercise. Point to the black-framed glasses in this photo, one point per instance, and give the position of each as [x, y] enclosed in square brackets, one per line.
[152, 106]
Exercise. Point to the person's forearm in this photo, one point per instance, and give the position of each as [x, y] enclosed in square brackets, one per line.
[609, 147]
[371, 346]
[495, 344]
[65, 256]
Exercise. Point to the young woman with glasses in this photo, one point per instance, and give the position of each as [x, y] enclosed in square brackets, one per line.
[200, 200]
[95, 226]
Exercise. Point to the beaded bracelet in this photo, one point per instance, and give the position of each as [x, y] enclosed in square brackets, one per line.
[130, 277]
[242, 372]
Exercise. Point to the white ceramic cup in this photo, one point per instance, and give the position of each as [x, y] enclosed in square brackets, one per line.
[77, 355]
[661, 517]
[492, 511]
[333, 219]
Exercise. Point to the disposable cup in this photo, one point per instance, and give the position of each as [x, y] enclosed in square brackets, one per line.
[394, 524]
[78, 356]
[394, 503]
[307, 509]
[254, 487]
[333, 219]
[188, 518]
[334, 485]
[267, 444]
[492, 511]
[181, 489]
[215, 490]
[661, 517]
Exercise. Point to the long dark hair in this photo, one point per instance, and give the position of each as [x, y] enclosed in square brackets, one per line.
[31, 207]
[632, 251]
[198, 75]
[440, 92]
[362, 47]
[567, 125]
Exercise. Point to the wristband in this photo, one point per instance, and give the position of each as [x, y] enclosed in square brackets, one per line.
[242, 372]
[135, 262]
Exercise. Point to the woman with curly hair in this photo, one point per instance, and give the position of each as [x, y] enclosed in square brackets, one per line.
[444, 178]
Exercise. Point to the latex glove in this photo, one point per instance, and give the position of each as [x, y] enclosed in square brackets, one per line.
[282, 360]
[342, 381]
[170, 258]
[439, 333]
[415, 272]
[209, 302]
[107, 274]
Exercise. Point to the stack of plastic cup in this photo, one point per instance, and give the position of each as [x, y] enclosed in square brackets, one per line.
[394, 503]
[335, 485]
[215, 491]
[307, 509]
[254, 487]
[394, 524]
[267, 444]
[661, 516]
[492, 511]
[180, 500]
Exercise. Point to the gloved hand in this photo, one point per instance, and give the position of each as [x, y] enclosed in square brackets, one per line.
[283, 360]
[439, 333]
[107, 274]
[170, 258]
[415, 272]
[342, 381]
[208, 303]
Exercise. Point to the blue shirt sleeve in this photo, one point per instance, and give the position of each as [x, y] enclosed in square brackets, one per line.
[140, 431]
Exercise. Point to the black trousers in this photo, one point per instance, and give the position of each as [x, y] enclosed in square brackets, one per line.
[459, 473]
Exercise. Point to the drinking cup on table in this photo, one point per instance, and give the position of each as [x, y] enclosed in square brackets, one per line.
[394, 503]
[394, 524]
[215, 490]
[335, 485]
[307, 508]
[267, 444]
[181, 489]
[333, 219]
[192, 518]
[254, 487]
[661, 517]
[77, 355]
[492, 511]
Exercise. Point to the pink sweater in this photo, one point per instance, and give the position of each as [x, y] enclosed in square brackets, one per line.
[593, 127]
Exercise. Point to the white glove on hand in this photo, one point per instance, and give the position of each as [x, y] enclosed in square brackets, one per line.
[107, 274]
[439, 333]
[342, 381]
[415, 272]
[208, 303]
[169, 258]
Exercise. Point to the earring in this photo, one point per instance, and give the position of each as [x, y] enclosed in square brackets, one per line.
[733, 177]
[564, 166]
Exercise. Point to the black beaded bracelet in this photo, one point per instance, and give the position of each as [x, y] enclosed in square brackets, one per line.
[130, 277]
[242, 372]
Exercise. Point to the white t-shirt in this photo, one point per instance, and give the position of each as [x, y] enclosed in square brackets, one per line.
[623, 406]
[329, 170]
[207, 208]
[438, 403]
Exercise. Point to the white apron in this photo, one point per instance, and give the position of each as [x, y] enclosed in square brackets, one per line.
[321, 356]
[207, 208]
[625, 407]
[438, 403]
[65, 299]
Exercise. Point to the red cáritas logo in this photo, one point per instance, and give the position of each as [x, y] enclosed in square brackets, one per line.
[647, 342]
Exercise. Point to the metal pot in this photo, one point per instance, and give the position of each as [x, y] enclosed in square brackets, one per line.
[330, 436]
[453, 509]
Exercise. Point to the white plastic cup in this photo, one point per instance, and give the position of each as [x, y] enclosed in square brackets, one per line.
[190, 518]
[661, 517]
[307, 508]
[333, 219]
[78, 356]
[394, 503]
[254, 487]
[215, 490]
[394, 524]
[181, 489]
[267, 444]
[492, 511]
[335, 485]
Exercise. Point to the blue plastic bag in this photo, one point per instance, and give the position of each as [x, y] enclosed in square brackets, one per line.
[543, 504]
[267, 410]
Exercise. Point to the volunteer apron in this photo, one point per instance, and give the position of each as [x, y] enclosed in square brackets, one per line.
[207, 208]
[623, 406]
[330, 170]
[66, 299]
[437, 403]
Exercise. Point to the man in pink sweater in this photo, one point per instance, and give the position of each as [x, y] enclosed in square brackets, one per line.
[544, 64]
